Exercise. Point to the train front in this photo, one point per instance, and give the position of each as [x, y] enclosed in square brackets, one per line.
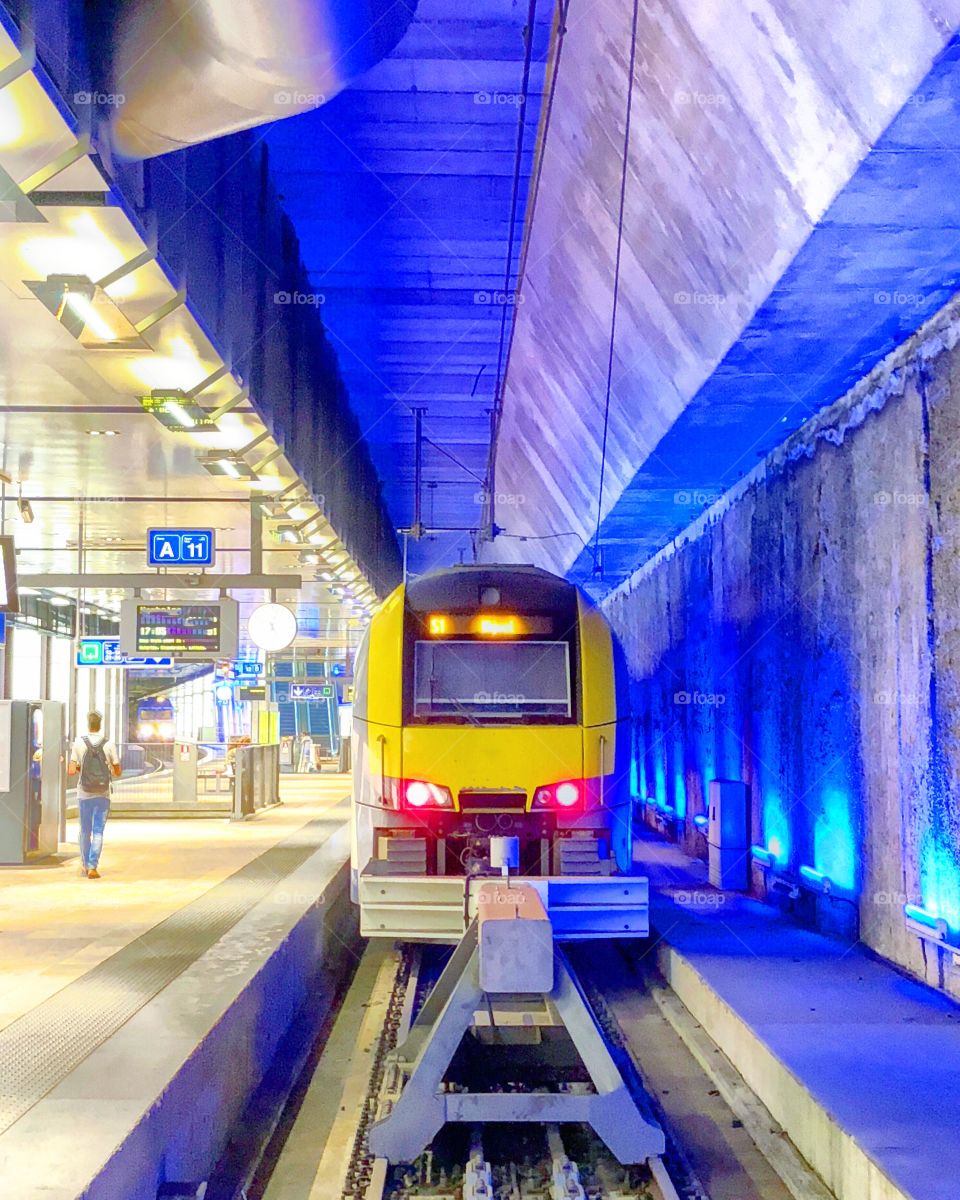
[486, 704]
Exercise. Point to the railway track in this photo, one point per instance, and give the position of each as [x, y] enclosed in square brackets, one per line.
[524, 1162]
[505, 1162]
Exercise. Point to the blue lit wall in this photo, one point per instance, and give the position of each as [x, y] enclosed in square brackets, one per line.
[805, 638]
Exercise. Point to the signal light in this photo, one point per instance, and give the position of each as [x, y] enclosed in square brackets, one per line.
[566, 795]
[419, 794]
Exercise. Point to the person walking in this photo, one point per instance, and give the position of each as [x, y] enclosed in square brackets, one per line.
[94, 758]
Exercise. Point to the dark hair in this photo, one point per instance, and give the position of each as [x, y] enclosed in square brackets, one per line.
[94, 722]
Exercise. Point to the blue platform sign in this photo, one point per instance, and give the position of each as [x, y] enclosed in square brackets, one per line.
[3, 629]
[311, 691]
[106, 652]
[250, 668]
[180, 547]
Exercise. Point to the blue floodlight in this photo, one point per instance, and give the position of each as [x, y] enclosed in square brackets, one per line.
[816, 880]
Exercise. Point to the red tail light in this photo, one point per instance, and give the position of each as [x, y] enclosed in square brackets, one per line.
[564, 796]
[417, 794]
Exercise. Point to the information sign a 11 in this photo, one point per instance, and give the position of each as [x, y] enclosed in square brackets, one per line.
[180, 547]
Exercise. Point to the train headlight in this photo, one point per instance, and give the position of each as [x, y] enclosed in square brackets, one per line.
[167, 729]
[146, 730]
[566, 795]
[419, 794]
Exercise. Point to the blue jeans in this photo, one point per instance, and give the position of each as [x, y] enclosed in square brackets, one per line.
[93, 818]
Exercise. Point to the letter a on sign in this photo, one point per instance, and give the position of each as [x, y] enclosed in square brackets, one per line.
[166, 550]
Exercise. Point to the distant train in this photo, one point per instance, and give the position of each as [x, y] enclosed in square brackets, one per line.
[155, 720]
[489, 701]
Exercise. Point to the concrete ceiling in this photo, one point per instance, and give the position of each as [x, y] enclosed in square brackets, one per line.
[401, 190]
[763, 216]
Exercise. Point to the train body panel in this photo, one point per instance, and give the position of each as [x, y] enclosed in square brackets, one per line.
[487, 703]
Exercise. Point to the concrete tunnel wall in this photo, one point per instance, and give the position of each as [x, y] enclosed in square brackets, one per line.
[804, 636]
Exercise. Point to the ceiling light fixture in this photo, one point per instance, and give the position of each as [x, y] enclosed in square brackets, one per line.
[231, 465]
[85, 310]
[178, 411]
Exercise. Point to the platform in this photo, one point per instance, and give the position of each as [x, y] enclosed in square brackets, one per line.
[120, 996]
[859, 1064]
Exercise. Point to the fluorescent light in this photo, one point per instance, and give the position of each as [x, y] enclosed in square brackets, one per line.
[87, 312]
[231, 465]
[763, 856]
[700, 821]
[175, 409]
[82, 307]
[60, 602]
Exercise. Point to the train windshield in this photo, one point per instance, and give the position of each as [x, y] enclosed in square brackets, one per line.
[492, 681]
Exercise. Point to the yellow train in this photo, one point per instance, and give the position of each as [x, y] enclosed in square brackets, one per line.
[490, 701]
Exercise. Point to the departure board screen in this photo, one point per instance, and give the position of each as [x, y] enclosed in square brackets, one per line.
[184, 630]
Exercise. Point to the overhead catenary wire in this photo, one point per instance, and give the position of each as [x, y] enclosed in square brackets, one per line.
[597, 569]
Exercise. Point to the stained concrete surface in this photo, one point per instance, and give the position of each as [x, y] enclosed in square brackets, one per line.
[803, 637]
[878, 1054]
[747, 121]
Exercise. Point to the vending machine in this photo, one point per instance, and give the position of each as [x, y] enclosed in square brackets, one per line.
[31, 774]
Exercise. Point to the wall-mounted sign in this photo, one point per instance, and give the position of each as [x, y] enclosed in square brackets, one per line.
[3, 629]
[247, 669]
[106, 652]
[248, 694]
[312, 691]
[180, 548]
[182, 631]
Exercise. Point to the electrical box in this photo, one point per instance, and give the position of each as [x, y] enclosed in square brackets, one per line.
[31, 746]
[728, 834]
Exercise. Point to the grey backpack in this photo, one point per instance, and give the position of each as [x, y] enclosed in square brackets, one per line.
[95, 770]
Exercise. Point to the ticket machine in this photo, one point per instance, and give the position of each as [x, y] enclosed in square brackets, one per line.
[31, 745]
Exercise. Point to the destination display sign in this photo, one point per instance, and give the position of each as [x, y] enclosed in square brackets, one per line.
[181, 631]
